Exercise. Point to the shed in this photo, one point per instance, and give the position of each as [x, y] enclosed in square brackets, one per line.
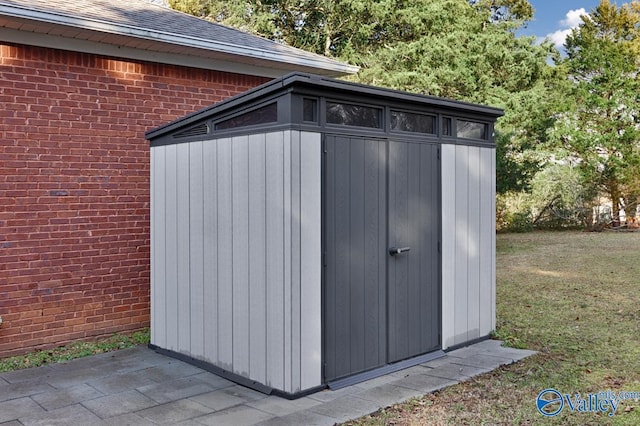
[314, 232]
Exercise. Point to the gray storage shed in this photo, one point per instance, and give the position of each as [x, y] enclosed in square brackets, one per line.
[314, 232]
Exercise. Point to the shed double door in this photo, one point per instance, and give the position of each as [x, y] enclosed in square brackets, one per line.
[379, 306]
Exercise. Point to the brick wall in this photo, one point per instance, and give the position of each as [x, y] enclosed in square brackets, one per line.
[74, 188]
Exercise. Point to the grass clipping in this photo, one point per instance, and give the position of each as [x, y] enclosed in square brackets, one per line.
[74, 350]
[572, 296]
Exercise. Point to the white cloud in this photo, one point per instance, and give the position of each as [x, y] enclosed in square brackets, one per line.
[573, 19]
[558, 37]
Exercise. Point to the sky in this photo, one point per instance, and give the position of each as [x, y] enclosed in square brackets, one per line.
[555, 18]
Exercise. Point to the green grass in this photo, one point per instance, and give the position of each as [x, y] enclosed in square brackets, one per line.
[573, 297]
[74, 350]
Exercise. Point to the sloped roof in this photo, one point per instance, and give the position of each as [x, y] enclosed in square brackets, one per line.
[136, 25]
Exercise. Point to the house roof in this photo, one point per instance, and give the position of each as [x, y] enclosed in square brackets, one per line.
[137, 29]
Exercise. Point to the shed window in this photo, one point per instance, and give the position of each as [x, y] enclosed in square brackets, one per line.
[354, 115]
[309, 110]
[471, 129]
[411, 122]
[262, 115]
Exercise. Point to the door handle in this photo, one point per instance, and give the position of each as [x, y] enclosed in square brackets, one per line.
[398, 250]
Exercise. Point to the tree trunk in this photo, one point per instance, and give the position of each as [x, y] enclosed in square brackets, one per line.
[614, 193]
[630, 208]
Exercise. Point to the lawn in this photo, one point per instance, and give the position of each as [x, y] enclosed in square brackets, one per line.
[573, 297]
[74, 350]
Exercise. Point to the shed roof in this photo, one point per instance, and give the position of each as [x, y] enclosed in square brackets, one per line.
[131, 27]
[329, 87]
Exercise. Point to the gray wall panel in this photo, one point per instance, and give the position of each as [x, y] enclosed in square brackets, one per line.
[487, 249]
[275, 216]
[182, 258]
[355, 281]
[288, 211]
[210, 247]
[468, 243]
[158, 248]
[171, 249]
[196, 248]
[461, 244]
[310, 261]
[473, 239]
[225, 256]
[296, 223]
[237, 255]
[257, 258]
[492, 213]
[375, 237]
[448, 168]
[240, 247]
[339, 262]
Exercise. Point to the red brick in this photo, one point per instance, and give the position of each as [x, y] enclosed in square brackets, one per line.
[73, 159]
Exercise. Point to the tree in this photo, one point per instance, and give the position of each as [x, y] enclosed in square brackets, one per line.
[600, 129]
[461, 49]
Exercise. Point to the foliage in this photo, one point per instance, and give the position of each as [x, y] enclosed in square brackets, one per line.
[559, 198]
[599, 128]
[74, 350]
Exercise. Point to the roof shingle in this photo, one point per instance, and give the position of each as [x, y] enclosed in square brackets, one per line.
[142, 20]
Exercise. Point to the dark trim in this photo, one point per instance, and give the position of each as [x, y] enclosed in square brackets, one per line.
[384, 370]
[236, 378]
[468, 343]
[333, 130]
[312, 85]
[292, 396]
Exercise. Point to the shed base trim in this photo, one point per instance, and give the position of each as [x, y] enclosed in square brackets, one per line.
[386, 369]
[236, 378]
[468, 343]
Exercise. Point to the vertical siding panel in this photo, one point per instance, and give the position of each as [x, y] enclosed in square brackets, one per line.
[295, 260]
[374, 254]
[492, 214]
[330, 314]
[474, 188]
[383, 254]
[393, 290]
[487, 217]
[210, 235]
[287, 261]
[225, 255]
[183, 284]
[416, 239]
[340, 264]
[240, 247]
[196, 247]
[257, 258]
[275, 209]
[462, 249]
[158, 246]
[171, 268]
[310, 260]
[355, 275]
[429, 265]
[448, 170]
